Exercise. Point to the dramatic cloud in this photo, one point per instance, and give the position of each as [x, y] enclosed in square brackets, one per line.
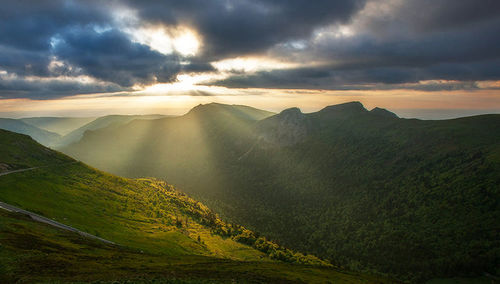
[13, 86]
[111, 56]
[57, 48]
[388, 43]
[232, 28]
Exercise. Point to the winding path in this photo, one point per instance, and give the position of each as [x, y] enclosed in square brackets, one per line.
[42, 219]
[18, 171]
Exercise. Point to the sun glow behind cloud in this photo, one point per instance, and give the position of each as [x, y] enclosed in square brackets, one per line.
[251, 64]
[185, 83]
[166, 40]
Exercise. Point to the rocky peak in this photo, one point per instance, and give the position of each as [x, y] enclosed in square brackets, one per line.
[383, 112]
[351, 107]
[289, 127]
[293, 111]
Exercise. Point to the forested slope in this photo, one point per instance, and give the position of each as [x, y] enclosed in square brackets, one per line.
[365, 189]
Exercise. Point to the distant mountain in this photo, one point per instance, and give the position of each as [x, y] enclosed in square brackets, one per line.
[42, 136]
[160, 233]
[181, 142]
[365, 189]
[101, 122]
[59, 125]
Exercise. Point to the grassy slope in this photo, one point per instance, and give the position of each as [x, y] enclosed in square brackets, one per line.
[20, 151]
[408, 197]
[36, 252]
[159, 230]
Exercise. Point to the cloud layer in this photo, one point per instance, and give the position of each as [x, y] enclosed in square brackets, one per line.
[56, 48]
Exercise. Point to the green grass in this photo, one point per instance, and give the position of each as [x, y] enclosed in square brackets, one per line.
[462, 280]
[129, 212]
[161, 235]
[19, 151]
[36, 252]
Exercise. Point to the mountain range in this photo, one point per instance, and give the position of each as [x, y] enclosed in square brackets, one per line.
[41, 135]
[58, 132]
[365, 190]
[59, 125]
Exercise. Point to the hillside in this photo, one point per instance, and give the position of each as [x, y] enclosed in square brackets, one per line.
[20, 151]
[45, 254]
[59, 125]
[40, 135]
[101, 122]
[179, 144]
[365, 189]
[157, 229]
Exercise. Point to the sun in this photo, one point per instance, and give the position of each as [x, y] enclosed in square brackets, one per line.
[186, 43]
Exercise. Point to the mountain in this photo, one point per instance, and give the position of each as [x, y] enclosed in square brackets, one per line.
[179, 144]
[69, 129]
[240, 111]
[59, 125]
[101, 122]
[412, 198]
[42, 136]
[383, 112]
[155, 231]
[289, 127]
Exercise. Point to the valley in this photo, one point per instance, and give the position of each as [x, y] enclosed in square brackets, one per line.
[143, 228]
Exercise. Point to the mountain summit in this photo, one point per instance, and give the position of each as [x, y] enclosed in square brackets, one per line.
[287, 128]
[350, 107]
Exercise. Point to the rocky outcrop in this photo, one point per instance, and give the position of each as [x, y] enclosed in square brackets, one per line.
[287, 128]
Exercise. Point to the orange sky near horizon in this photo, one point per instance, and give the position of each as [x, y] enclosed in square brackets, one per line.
[175, 103]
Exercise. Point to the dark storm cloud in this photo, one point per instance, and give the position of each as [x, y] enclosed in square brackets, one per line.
[370, 78]
[231, 28]
[475, 44]
[82, 37]
[27, 27]
[403, 50]
[393, 44]
[431, 15]
[29, 24]
[112, 57]
[51, 89]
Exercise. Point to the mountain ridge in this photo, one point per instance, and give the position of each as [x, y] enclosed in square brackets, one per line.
[18, 126]
[59, 125]
[352, 190]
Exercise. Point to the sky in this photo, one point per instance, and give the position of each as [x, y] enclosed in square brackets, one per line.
[419, 58]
